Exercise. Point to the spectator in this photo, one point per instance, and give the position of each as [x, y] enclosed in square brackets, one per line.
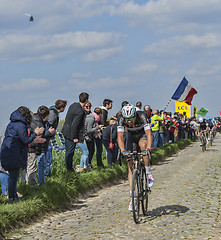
[182, 127]
[53, 121]
[89, 135]
[176, 120]
[148, 111]
[184, 116]
[155, 127]
[124, 103]
[176, 127]
[173, 125]
[161, 131]
[3, 173]
[193, 126]
[97, 136]
[138, 106]
[110, 135]
[74, 129]
[37, 152]
[107, 105]
[15, 147]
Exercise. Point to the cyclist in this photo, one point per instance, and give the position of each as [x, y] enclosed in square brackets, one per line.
[203, 127]
[211, 125]
[138, 133]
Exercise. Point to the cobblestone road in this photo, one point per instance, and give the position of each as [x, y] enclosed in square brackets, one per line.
[184, 204]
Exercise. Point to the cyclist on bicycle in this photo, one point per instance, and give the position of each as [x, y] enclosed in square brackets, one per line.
[138, 133]
[211, 126]
[203, 127]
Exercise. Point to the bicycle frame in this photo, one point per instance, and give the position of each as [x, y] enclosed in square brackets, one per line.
[139, 190]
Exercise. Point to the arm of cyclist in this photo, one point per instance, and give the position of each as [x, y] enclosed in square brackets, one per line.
[120, 138]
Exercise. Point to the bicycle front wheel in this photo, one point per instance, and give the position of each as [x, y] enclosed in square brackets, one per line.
[145, 192]
[203, 143]
[136, 195]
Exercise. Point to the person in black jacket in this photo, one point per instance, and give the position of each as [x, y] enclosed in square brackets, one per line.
[109, 134]
[53, 121]
[107, 105]
[14, 148]
[74, 128]
[37, 152]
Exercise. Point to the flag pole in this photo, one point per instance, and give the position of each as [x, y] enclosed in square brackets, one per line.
[167, 104]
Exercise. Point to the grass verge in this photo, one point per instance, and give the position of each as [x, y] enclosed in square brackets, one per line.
[62, 188]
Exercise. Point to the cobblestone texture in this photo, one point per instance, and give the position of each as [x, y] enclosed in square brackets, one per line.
[184, 204]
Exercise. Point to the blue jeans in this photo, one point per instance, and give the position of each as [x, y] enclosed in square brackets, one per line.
[12, 185]
[41, 160]
[155, 139]
[161, 139]
[48, 161]
[4, 183]
[111, 154]
[99, 146]
[84, 157]
[69, 154]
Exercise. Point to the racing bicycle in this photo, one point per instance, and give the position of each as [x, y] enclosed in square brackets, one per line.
[140, 191]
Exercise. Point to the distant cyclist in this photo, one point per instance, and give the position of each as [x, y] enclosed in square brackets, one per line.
[138, 133]
[211, 125]
[203, 127]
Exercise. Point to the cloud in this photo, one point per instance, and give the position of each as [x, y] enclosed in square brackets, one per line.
[171, 15]
[179, 44]
[25, 84]
[101, 54]
[145, 67]
[81, 75]
[101, 83]
[29, 48]
[52, 16]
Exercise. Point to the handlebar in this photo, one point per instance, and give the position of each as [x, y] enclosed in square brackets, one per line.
[135, 153]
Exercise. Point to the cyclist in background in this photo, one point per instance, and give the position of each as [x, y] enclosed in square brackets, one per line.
[211, 125]
[203, 127]
[138, 134]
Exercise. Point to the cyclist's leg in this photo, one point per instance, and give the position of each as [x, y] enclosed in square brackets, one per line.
[130, 173]
[143, 147]
[129, 147]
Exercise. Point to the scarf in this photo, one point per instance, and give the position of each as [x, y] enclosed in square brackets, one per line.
[97, 133]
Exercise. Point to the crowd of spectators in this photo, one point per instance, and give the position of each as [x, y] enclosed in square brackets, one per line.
[28, 139]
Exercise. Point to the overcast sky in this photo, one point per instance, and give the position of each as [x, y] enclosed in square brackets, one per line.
[118, 49]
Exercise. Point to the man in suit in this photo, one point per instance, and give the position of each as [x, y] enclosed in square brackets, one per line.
[74, 128]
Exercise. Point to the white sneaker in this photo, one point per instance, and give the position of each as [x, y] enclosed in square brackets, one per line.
[200, 144]
[150, 181]
[130, 208]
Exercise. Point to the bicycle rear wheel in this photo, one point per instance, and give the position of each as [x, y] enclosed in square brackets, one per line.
[145, 191]
[136, 195]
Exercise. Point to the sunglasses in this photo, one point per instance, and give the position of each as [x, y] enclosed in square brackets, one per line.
[129, 119]
[88, 107]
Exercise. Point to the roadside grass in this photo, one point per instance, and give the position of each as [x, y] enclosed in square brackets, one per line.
[62, 188]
